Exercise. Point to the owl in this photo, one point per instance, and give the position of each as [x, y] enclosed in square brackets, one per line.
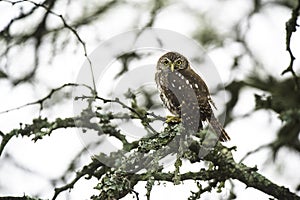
[185, 94]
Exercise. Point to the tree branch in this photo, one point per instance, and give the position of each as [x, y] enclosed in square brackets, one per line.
[48, 96]
[87, 170]
[222, 158]
[291, 27]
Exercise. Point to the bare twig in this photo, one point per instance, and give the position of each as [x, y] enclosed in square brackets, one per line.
[290, 28]
[86, 170]
[48, 96]
[66, 25]
[254, 151]
[136, 194]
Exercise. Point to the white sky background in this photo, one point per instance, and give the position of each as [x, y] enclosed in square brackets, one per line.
[49, 157]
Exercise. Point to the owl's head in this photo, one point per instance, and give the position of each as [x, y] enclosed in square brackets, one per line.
[172, 61]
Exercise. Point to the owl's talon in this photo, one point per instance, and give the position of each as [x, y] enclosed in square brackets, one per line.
[173, 120]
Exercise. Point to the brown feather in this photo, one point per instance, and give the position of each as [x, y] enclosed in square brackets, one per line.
[218, 128]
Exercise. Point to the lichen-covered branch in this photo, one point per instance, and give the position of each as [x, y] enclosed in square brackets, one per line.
[222, 158]
[116, 183]
[25, 197]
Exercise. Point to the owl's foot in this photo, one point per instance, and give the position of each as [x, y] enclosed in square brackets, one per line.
[173, 119]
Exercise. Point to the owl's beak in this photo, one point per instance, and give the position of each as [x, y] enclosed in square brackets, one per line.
[172, 67]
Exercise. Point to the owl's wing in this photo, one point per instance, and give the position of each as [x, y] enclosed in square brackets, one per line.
[212, 102]
[199, 86]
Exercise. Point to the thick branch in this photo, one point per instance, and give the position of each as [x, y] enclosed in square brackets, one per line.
[247, 175]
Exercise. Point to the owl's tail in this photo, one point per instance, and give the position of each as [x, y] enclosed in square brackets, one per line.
[218, 128]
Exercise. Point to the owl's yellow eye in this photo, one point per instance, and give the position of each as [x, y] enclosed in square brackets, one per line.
[166, 62]
[178, 62]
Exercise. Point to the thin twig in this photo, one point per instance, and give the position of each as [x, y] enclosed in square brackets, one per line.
[254, 151]
[117, 100]
[66, 25]
[48, 96]
[87, 170]
[136, 194]
[291, 27]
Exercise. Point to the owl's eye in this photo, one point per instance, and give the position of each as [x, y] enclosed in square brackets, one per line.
[166, 62]
[178, 62]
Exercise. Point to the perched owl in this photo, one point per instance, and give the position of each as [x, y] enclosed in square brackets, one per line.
[185, 94]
